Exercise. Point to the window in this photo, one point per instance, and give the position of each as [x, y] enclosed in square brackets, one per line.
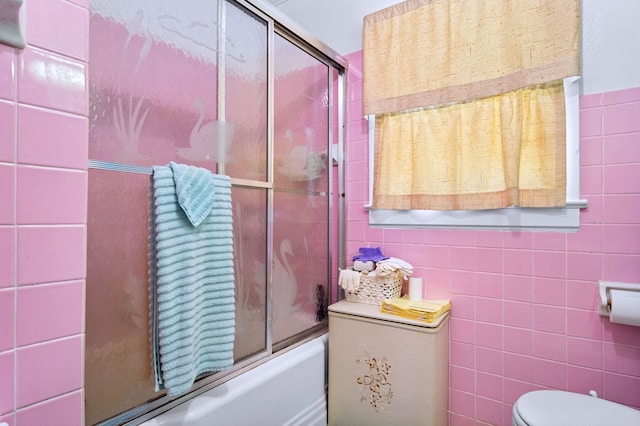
[560, 219]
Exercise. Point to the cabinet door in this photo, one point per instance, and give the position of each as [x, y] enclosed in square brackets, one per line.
[386, 373]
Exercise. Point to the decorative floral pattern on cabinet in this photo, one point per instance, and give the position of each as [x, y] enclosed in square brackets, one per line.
[375, 386]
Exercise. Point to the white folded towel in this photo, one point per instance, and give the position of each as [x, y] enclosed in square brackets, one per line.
[349, 279]
[361, 265]
[392, 264]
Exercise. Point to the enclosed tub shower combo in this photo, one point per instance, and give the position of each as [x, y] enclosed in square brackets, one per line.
[224, 101]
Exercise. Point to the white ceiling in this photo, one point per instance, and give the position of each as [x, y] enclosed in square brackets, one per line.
[337, 23]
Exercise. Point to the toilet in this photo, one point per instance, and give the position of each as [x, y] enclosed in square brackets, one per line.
[553, 408]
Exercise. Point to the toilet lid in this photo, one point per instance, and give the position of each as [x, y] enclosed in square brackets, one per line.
[551, 407]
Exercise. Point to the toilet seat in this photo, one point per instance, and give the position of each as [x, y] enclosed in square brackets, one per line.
[553, 407]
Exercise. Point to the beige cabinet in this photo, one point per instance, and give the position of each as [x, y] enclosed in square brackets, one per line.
[386, 370]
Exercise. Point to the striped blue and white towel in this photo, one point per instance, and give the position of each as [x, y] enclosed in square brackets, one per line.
[191, 275]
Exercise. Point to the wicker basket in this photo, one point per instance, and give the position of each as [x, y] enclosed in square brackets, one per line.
[374, 289]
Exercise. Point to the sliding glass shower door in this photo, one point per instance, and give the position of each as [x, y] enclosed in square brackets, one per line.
[300, 191]
[218, 85]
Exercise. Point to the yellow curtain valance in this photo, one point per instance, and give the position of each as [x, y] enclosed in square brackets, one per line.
[436, 52]
[506, 150]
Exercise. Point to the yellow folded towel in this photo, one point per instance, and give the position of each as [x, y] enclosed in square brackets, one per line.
[423, 310]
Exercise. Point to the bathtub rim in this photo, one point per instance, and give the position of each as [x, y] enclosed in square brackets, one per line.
[212, 382]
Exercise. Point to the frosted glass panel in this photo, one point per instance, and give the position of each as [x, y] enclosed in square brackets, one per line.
[155, 86]
[153, 81]
[299, 263]
[118, 368]
[301, 119]
[246, 94]
[118, 372]
[300, 201]
[250, 248]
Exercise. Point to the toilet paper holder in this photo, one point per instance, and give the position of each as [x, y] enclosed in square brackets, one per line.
[604, 307]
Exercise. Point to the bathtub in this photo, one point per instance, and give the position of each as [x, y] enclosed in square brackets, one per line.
[289, 389]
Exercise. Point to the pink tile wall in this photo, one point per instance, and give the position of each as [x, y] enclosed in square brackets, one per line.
[524, 305]
[43, 193]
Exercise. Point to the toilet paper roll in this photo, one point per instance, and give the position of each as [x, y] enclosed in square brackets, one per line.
[415, 289]
[625, 307]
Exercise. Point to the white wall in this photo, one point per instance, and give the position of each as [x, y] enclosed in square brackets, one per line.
[610, 45]
[610, 35]
[338, 23]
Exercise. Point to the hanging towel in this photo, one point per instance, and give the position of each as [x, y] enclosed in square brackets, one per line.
[195, 190]
[191, 275]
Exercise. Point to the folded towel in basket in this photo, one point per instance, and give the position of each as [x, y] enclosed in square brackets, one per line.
[393, 264]
[362, 266]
